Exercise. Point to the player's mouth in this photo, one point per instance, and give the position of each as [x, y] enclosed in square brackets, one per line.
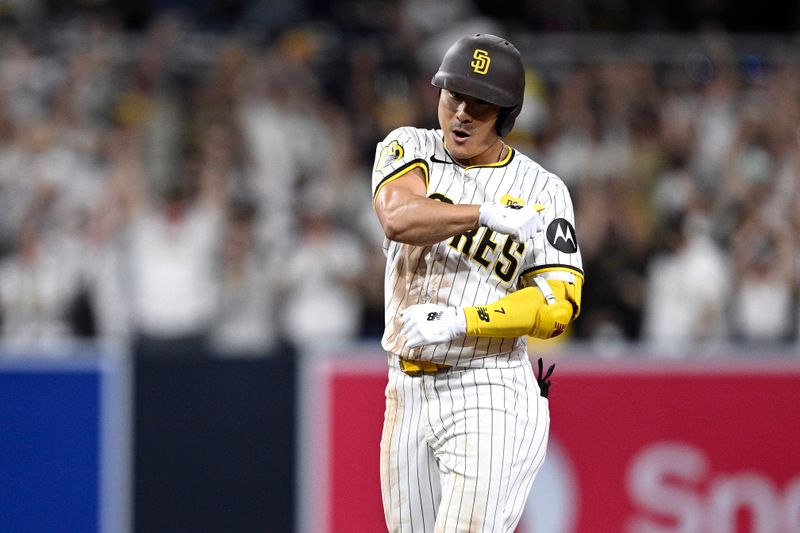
[459, 135]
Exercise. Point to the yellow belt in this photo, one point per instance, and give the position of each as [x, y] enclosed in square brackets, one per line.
[416, 367]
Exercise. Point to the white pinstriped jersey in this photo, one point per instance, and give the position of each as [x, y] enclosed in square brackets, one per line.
[479, 266]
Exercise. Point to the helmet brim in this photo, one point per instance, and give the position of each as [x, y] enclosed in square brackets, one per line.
[475, 88]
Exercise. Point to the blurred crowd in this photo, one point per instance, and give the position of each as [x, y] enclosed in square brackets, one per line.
[189, 191]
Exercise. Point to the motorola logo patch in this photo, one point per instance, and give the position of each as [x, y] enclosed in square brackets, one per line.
[561, 235]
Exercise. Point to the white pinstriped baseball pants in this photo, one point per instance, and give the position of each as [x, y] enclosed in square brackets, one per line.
[460, 449]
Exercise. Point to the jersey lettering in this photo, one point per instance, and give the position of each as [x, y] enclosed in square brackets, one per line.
[486, 244]
[506, 265]
[464, 247]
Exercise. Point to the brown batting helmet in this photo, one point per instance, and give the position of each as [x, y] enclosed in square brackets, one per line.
[489, 68]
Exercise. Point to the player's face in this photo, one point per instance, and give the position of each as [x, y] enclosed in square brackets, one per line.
[469, 128]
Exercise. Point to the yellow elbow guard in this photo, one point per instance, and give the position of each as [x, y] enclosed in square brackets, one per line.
[527, 312]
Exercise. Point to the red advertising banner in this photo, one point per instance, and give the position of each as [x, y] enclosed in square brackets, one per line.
[636, 447]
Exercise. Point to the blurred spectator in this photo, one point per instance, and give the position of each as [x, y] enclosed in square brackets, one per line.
[675, 187]
[319, 283]
[716, 123]
[688, 288]
[615, 247]
[39, 282]
[172, 242]
[131, 139]
[762, 304]
[245, 323]
[283, 138]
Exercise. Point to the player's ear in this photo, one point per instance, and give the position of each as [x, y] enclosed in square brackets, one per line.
[502, 118]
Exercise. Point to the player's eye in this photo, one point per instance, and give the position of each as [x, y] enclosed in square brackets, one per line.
[456, 96]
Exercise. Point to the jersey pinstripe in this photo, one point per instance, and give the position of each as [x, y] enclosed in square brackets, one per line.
[480, 266]
[460, 450]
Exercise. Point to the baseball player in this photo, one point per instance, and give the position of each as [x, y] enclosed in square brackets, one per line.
[481, 253]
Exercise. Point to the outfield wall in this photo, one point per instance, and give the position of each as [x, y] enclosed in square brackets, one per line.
[637, 445]
[96, 441]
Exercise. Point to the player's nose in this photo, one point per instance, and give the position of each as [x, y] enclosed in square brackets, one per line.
[462, 113]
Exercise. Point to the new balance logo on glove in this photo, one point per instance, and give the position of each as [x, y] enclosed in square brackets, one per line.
[435, 316]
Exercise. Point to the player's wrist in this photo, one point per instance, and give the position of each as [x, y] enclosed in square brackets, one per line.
[458, 325]
[484, 214]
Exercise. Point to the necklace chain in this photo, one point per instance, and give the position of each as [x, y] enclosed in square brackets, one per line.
[502, 149]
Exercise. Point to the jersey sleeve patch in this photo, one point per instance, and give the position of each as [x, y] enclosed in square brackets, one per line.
[391, 152]
[561, 236]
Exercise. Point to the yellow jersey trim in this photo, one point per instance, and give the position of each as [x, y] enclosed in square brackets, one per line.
[553, 268]
[503, 162]
[405, 169]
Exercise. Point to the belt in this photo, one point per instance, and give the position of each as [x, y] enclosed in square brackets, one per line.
[417, 367]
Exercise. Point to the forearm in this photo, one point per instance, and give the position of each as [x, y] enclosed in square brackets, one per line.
[409, 216]
[526, 312]
[543, 312]
[422, 221]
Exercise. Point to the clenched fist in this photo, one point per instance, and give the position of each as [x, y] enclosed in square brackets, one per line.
[432, 324]
[521, 222]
